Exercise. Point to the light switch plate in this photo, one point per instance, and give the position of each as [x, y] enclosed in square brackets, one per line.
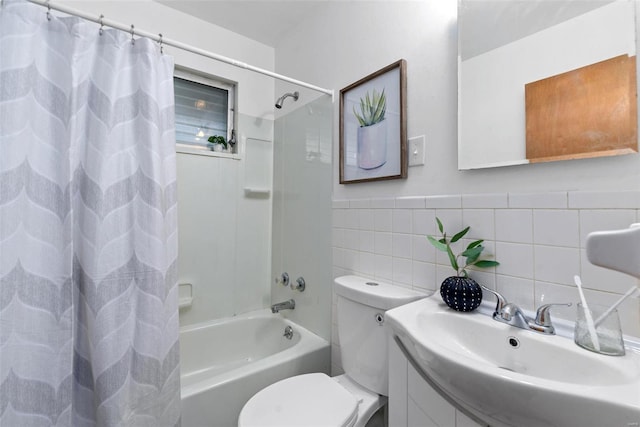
[416, 151]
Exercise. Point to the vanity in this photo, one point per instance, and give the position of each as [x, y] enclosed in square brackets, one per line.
[451, 368]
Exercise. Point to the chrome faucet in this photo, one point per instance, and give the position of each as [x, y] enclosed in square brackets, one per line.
[285, 305]
[511, 314]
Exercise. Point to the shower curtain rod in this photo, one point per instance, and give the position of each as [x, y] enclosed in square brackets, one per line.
[174, 43]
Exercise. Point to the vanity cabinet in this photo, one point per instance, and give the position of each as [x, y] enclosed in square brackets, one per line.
[413, 403]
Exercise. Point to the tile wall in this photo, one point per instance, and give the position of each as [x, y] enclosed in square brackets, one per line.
[538, 238]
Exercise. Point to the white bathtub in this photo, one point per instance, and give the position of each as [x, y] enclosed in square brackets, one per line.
[225, 362]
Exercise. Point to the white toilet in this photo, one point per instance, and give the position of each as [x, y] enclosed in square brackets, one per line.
[348, 400]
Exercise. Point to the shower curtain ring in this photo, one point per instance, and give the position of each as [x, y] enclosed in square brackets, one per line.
[48, 11]
[132, 34]
[160, 41]
[101, 24]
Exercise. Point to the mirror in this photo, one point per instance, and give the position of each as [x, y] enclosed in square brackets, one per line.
[508, 48]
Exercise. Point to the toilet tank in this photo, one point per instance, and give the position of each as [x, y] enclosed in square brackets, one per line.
[361, 332]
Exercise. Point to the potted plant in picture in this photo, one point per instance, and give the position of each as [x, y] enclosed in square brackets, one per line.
[461, 292]
[217, 143]
[372, 133]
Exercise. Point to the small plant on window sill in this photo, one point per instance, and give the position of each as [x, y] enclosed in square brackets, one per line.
[217, 143]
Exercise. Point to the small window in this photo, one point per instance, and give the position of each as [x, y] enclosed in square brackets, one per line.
[204, 108]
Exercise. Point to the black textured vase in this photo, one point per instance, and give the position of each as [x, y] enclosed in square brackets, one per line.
[461, 293]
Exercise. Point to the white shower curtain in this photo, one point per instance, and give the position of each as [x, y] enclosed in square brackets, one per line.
[88, 230]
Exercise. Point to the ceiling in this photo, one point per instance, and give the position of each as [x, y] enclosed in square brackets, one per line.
[266, 21]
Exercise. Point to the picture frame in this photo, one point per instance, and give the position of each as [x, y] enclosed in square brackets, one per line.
[373, 126]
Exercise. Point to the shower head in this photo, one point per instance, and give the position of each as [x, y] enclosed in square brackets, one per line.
[280, 100]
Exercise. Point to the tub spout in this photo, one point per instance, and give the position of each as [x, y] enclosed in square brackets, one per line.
[286, 305]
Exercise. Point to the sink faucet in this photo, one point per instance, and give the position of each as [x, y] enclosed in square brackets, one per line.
[511, 314]
[285, 305]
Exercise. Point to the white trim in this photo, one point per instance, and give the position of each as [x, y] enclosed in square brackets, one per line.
[204, 151]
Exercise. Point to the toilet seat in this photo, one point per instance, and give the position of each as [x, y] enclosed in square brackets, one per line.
[304, 400]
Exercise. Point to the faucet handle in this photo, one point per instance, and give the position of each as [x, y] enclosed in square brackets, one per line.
[543, 314]
[501, 300]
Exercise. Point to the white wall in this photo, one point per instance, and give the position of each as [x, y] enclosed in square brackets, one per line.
[218, 226]
[349, 40]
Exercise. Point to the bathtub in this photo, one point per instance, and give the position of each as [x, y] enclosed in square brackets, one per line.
[225, 362]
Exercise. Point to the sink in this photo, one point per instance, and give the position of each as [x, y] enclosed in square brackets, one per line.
[506, 376]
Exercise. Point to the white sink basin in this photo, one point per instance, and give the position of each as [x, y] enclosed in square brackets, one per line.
[509, 376]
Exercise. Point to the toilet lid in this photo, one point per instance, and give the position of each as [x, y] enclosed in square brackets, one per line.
[303, 400]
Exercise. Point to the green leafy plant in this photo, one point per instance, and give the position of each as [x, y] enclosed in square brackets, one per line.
[471, 253]
[372, 108]
[217, 139]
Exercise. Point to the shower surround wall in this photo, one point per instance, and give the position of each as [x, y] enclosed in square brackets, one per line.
[539, 239]
[220, 230]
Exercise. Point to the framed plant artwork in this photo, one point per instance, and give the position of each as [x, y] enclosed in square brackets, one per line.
[373, 126]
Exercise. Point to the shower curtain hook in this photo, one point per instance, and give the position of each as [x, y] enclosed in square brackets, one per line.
[101, 24]
[132, 34]
[160, 41]
[48, 11]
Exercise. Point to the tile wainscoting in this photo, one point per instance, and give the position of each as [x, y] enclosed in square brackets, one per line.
[538, 238]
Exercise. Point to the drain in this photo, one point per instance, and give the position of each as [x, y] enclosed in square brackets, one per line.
[513, 342]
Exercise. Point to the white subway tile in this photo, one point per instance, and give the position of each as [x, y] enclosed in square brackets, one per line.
[383, 203]
[383, 267]
[443, 202]
[365, 219]
[556, 227]
[401, 245]
[383, 243]
[481, 222]
[604, 219]
[351, 260]
[516, 259]
[485, 201]
[514, 225]
[424, 222]
[352, 239]
[517, 290]
[556, 264]
[451, 220]
[366, 241]
[340, 204]
[367, 264]
[410, 202]
[401, 221]
[422, 250]
[382, 219]
[553, 293]
[604, 199]
[402, 271]
[484, 277]
[603, 279]
[351, 219]
[424, 275]
[551, 200]
[359, 203]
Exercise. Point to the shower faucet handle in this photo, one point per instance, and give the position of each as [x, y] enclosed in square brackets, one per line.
[283, 279]
[300, 284]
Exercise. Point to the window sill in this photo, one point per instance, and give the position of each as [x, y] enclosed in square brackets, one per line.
[203, 151]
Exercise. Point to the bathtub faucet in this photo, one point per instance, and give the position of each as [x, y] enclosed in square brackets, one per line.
[286, 305]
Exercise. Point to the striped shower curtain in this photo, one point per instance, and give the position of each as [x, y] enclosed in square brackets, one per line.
[88, 229]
